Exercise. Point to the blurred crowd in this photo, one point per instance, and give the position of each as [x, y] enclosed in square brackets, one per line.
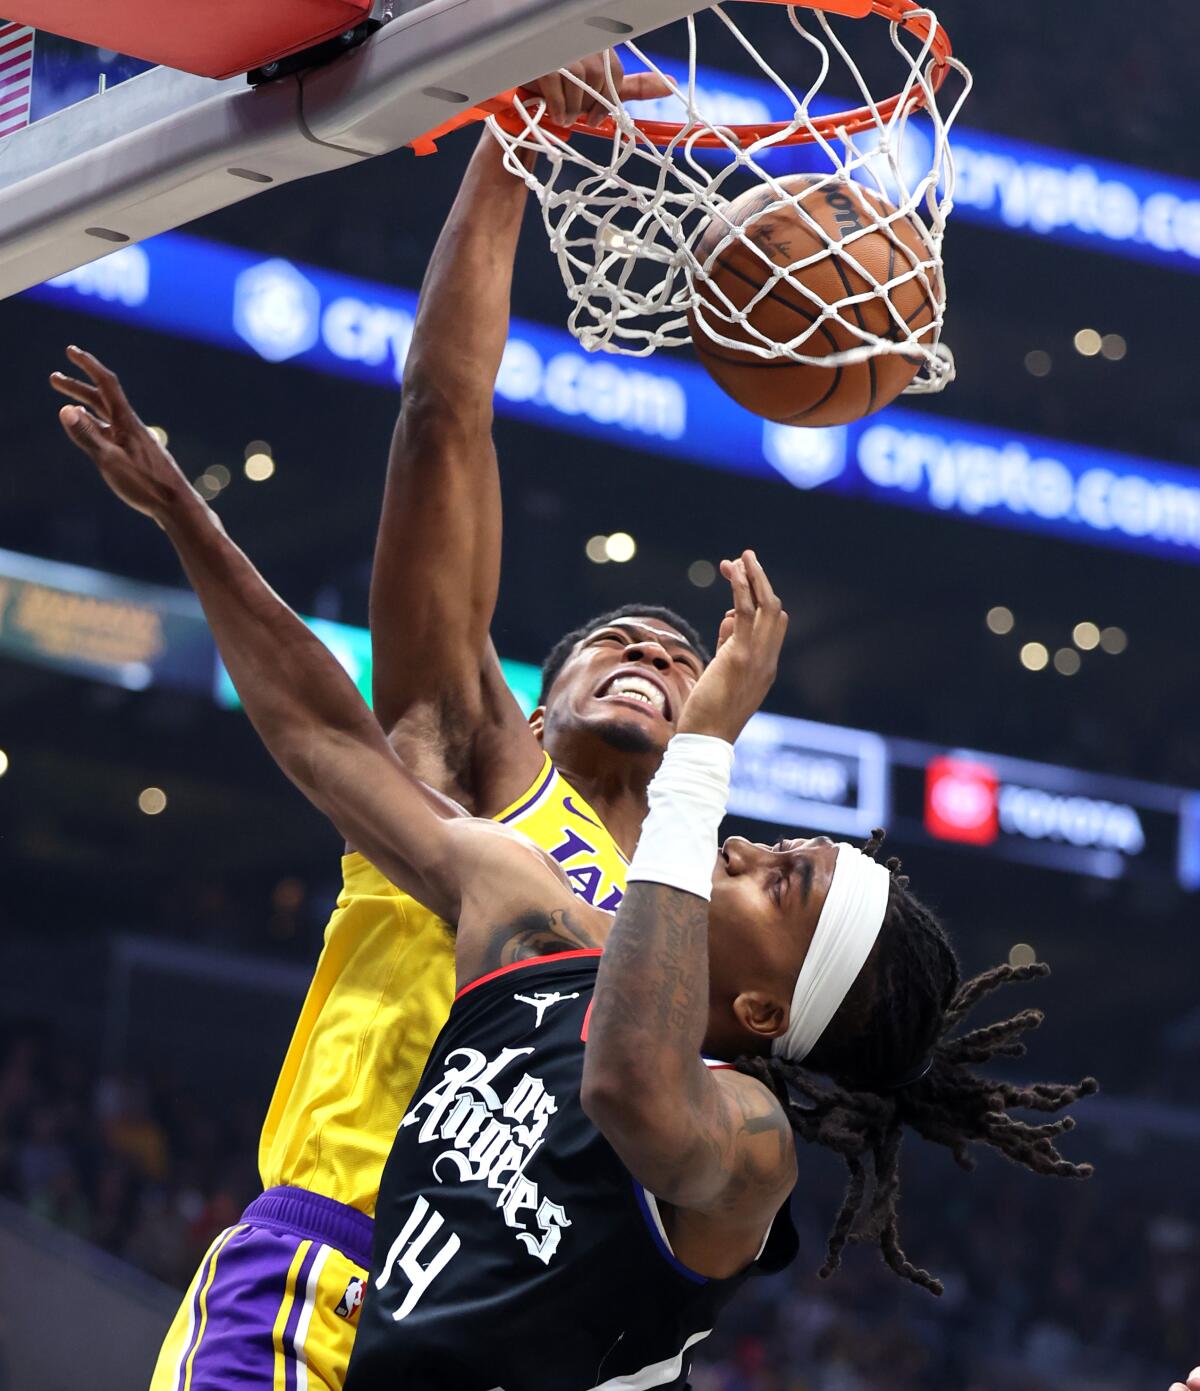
[1048, 1283]
[1049, 1286]
[143, 1169]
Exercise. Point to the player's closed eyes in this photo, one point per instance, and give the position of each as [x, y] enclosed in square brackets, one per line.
[686, 659]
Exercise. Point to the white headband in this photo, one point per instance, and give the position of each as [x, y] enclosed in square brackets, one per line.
[850, 920]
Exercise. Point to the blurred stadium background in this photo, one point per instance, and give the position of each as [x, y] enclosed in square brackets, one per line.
[992, 650]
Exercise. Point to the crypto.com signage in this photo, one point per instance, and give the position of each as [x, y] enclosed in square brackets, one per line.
[667, 405]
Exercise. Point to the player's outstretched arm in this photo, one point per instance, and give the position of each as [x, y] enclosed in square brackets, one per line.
[438, 688]
[304, 706]
[701, 1140]
[437, 683]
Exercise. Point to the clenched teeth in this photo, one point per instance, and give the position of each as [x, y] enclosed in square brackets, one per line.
[639, 689]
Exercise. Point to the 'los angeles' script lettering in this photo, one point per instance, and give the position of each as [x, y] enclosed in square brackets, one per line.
[487, 1137]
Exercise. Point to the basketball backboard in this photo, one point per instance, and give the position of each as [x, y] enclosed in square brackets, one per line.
[116, 152]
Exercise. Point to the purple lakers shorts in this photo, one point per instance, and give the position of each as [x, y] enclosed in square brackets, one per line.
[274, 1304]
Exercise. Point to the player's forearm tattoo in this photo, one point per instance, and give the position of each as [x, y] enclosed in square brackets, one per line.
[651, 1000]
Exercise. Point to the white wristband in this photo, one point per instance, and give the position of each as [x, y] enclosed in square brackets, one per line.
[678, 844]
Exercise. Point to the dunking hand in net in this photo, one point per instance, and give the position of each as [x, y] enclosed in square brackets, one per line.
[568, 98]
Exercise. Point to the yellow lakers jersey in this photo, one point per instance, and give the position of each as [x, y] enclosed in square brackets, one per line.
[381, 993]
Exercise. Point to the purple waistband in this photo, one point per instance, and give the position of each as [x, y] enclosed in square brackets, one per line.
[316, 1217]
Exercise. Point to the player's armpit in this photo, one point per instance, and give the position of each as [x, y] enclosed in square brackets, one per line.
[721, 1168]
[506, 755]
[437, 558]
[470, 740]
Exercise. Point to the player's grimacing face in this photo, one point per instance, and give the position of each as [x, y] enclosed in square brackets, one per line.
[628, 680]
[766, 900]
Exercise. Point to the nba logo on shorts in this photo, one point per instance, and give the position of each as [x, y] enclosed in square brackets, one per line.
[961, 800]
[348, 1305]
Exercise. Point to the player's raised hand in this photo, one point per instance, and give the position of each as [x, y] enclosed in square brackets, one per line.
[737, 680]
[567, 102]
[1192, 1383]
[129, 458]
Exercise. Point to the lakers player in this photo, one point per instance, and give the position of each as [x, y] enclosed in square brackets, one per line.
[575, 1193]
[277, 1296]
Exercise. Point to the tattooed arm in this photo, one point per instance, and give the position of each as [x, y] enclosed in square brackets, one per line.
[700, 1139]
[705, 1142]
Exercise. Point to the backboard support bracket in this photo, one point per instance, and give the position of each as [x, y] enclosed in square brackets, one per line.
[164, 148]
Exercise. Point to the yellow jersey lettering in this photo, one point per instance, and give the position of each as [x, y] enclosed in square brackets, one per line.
[571, 847]
[585, 882]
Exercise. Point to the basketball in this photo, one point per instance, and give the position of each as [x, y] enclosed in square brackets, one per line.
[797, 393]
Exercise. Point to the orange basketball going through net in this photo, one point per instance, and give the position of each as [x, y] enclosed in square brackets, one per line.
[861, 278]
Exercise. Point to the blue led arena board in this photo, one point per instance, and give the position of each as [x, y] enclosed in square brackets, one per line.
[1007, 184]
[1000, 477]
[668, 405]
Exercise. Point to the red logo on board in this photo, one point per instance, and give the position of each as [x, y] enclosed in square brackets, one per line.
[961, 800]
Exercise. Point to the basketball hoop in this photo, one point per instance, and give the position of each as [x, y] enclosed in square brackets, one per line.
[627, 202]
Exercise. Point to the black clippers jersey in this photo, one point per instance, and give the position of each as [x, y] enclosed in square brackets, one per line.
[512, 1248]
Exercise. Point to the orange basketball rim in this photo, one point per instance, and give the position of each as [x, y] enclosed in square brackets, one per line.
[908, 14]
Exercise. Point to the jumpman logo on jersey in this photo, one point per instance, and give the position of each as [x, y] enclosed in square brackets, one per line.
[543, 1000]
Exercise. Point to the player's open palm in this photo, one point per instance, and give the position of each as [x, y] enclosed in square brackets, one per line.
[737, 680]
[130, 460]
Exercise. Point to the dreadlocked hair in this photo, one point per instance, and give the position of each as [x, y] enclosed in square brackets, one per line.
[894, 1056]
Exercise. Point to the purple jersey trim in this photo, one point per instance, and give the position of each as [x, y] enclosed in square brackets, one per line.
[534, 797]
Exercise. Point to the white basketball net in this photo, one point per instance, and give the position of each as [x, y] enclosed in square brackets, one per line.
[624, 216]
